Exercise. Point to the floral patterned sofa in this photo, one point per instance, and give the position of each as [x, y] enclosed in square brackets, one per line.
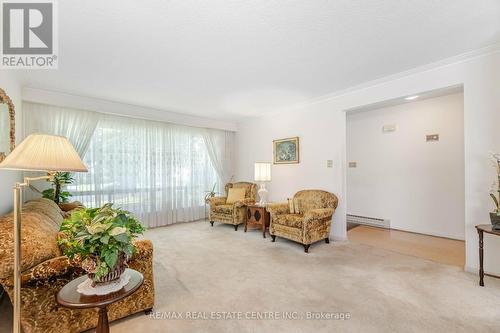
[234, 213]
[311, 224]
[45, 271]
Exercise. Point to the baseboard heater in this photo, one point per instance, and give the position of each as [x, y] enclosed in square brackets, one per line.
[373, 221]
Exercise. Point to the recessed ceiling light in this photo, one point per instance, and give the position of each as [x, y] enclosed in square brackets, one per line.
[410, 98]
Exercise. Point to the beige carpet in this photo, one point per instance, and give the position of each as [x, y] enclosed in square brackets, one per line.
[202, 269]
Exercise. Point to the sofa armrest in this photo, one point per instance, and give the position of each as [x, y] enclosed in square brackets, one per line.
[47, 270]
[317, 218]
[215, 201]
[143, 250]
[278, 208]
[244, 202]
[319, 214]
[62, 265]
[142, 259]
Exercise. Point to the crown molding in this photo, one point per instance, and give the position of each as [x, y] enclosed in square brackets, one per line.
[454, 60]
[61, 99]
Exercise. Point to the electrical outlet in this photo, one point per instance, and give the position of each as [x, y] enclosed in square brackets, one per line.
[432, 137]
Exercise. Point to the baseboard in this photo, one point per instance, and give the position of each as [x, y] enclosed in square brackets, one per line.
[338, 239]
[470, 269]
[475, 270]
[433, 234]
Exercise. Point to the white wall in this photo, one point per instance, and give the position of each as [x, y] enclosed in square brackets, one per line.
[322, 128]
[10, 84]
[417, 185]
[318, 142]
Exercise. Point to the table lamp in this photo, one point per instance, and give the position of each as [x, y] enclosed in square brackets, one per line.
[38, 152]
[262, 175]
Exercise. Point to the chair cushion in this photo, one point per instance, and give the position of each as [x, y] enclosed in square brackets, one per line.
[224, 209]
[235, 194]
[290, 220]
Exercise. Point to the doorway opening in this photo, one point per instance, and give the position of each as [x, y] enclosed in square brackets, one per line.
[405, 175]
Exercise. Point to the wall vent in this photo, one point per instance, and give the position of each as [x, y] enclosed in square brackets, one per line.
[373, 221]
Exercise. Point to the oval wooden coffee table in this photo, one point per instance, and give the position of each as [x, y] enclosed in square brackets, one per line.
[70, 298]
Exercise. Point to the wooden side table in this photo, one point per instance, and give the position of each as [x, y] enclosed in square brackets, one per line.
[257, 215]
[481, 229]
[70, 298]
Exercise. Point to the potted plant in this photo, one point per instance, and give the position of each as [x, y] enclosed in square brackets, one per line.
[208, 195]
[102, 239]
[55, 193]
[495, 194]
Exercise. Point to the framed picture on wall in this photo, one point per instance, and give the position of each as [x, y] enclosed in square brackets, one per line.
[286, 151]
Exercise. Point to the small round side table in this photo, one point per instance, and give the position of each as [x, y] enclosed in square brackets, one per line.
[70, 298]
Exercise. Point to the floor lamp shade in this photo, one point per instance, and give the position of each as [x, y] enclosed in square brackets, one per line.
[42, 152]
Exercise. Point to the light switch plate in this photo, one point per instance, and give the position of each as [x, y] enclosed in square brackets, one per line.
[389, 128]
[329, 163]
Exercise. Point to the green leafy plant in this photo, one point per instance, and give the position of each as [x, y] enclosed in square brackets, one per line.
[99, 236]
[55, 193]
[495, 189]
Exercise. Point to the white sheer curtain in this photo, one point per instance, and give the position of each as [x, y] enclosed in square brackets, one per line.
[76, 125]
[158, 171]
[221, 151]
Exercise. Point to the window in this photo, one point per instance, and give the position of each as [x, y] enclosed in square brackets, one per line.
[158, 171]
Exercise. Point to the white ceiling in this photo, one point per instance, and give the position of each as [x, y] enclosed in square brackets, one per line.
[231, 59]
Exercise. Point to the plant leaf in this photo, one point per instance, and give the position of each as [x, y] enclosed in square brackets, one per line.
[105, 239]
[110, 258]
[494, 199]
[122, 238]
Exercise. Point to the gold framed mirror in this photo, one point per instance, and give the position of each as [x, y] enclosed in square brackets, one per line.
[7, 125]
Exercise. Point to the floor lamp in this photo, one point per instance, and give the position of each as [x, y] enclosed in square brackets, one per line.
[38, 152]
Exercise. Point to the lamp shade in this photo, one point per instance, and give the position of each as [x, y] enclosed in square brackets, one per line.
[43, 152]
[262, 171]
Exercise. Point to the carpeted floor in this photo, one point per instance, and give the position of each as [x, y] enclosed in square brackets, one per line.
[200, 270]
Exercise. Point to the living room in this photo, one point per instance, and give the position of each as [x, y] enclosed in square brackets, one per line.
[185, 166]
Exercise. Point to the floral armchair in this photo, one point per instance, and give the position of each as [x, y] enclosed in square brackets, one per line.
[233, 213]
[311, 224]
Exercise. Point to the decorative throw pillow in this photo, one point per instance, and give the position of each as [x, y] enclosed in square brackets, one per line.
[291, 206]
[234, 195]
[296, 206]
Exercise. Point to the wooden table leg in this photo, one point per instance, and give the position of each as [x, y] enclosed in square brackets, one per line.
[481, 254]
[247, 216]
[265, 223]
[102, 323]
